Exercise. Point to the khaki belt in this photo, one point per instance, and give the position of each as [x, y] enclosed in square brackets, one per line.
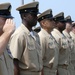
[29, 73]
[63, 66]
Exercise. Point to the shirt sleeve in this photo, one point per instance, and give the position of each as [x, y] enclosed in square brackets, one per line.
[17, 46]
[43, 45]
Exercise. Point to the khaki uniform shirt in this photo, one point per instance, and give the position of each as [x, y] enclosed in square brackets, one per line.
[6, 63]
[49, 50]
[72, 35]
[64, 51]
[26, 48]
[71, 45]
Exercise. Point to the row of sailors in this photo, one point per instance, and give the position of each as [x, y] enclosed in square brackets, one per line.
[50, 52]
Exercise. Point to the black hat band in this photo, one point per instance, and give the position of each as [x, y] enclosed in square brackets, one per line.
[69, 20]
[59, 19]
[49, 16]
[29, 10]
[5, 12]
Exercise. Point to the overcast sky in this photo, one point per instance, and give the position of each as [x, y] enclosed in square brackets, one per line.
[66, 6]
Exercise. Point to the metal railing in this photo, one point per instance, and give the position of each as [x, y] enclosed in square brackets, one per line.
[22, 2]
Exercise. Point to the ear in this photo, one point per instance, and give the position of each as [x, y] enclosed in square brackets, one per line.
[58, 24]
[24, 16]
[44, 22]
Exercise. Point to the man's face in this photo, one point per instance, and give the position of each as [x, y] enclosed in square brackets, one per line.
[61, 26]
[69, 26]
[2, 22]
[49, 24]
[31, 19]
[73, 29]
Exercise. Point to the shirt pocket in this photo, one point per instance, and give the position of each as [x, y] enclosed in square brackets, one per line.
[72, 45]
[31, 52]
[64, 46]
[51, 45]
[31, 44]
[10, 63]
[51, 50]
[1, 58]
[31, 47]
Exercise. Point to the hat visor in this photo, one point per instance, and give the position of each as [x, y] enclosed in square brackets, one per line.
[7, 16]
[51, 18]
[38, 13]
[73, 25]
[70, 21]
[62, 20]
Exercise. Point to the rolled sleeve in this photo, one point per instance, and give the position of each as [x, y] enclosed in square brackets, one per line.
[17, 44]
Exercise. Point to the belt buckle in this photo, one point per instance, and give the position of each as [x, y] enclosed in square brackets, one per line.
[65, 66]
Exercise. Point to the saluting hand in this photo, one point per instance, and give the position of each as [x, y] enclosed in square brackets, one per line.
[9, 26]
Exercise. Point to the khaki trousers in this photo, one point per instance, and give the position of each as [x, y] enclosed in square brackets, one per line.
[73, 62]
[71, 69]
[47, 71]
[63, 70]
[29, 73]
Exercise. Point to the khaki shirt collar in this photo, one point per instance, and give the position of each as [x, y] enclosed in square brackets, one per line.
[72, 33]
[45, 32]
[25, 29]
[66, 34]
[57, 32]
